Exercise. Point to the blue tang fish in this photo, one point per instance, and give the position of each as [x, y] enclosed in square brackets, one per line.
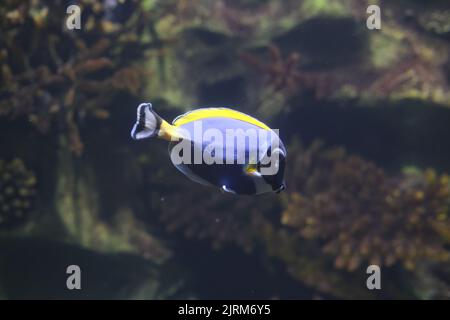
[219, 147]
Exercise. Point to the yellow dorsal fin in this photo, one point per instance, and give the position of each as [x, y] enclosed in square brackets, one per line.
[216, 113]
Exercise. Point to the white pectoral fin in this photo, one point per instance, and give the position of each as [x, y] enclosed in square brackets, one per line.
[225, 189]
[251, 171]
[254, 174]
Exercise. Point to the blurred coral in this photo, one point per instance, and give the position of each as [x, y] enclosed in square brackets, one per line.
[283, 74]
[51, 74]
[414, 77]
[17, 190]
[359, 214]
[241, 19]
[407, 62]
[436, 21]
[221, 218]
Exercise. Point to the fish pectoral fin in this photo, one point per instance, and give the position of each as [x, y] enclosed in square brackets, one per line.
[252, 171]
[225, 189]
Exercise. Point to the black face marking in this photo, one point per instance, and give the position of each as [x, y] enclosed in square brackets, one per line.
[141, 119]
[276, 181]
[158, 123]
[281, 188]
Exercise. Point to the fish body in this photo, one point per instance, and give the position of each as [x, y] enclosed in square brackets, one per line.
[219, 147]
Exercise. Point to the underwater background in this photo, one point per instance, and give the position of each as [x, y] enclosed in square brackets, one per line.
[364, 114]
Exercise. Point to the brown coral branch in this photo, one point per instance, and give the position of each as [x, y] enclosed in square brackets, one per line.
[284, 75]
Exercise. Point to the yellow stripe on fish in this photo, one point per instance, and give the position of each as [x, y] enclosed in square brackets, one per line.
[216, 113]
